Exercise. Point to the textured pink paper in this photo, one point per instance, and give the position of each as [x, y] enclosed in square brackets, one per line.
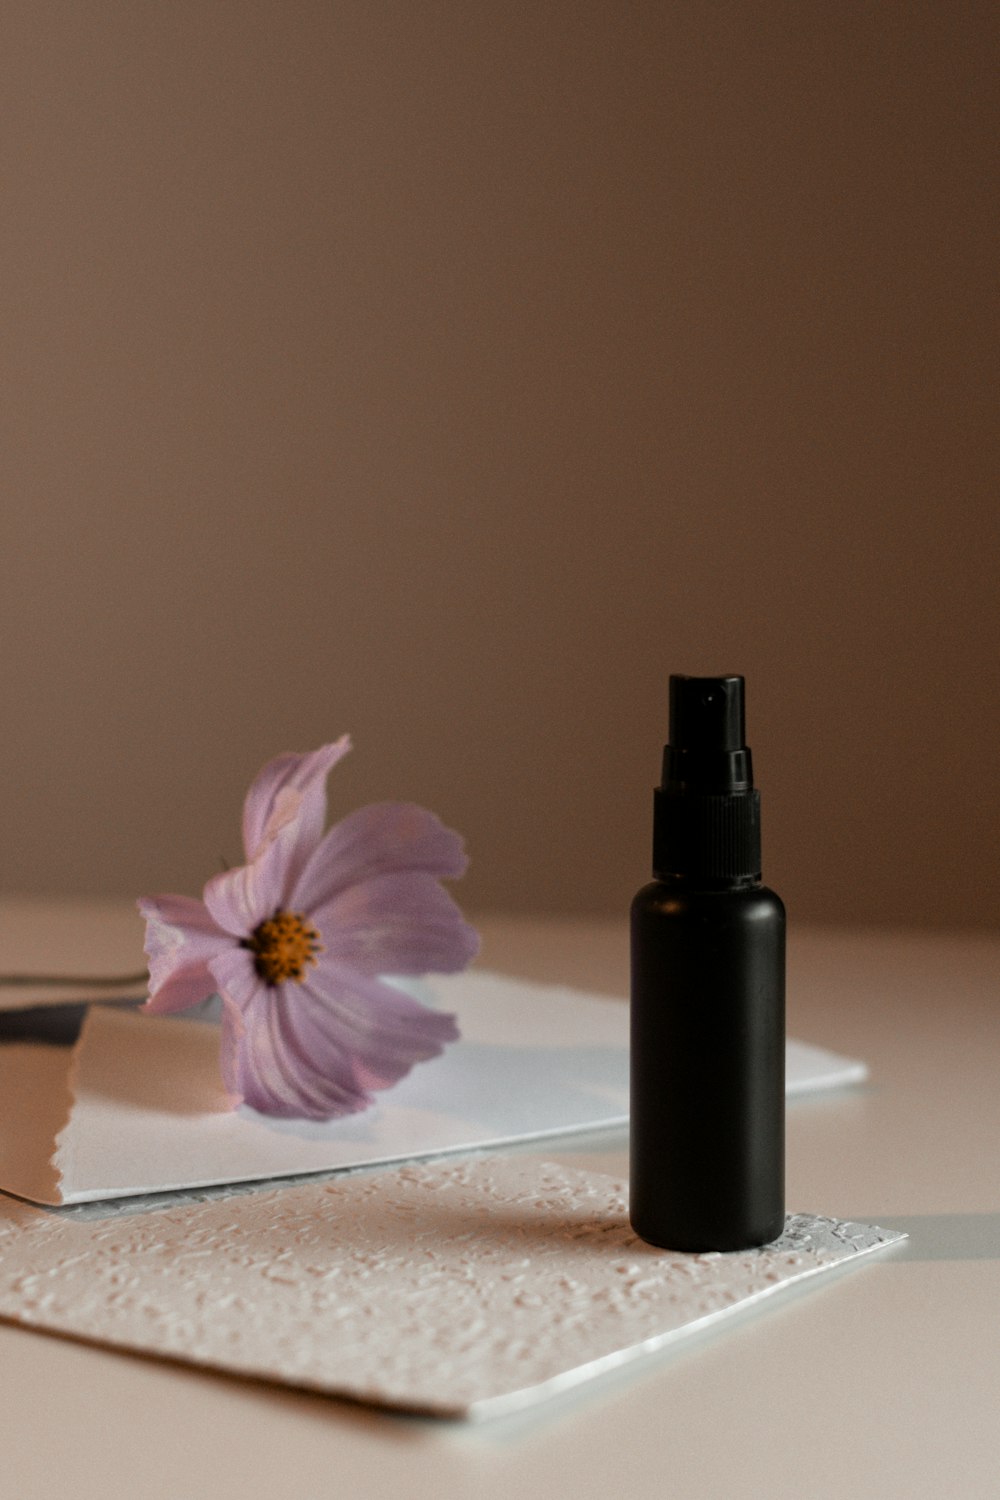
[464, 1288]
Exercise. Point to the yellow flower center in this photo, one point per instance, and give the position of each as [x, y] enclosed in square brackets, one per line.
[282, 946]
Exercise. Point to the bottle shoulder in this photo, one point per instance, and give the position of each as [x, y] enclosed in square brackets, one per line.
[669, 900]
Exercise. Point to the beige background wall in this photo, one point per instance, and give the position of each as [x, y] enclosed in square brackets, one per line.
[452, 372]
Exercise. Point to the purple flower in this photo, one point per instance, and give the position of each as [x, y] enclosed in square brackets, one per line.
[295, 941]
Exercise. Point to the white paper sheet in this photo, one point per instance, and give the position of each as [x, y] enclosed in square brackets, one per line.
[463, 1289]
[142, 1110]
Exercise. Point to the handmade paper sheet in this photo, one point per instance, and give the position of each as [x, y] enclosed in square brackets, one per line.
[460, 1289]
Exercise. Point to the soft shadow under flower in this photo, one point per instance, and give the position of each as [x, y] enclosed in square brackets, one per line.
[295, 942]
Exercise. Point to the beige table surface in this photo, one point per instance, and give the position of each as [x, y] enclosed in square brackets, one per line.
[886, 1381]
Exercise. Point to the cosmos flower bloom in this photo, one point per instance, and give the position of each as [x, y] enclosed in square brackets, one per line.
[295, 942]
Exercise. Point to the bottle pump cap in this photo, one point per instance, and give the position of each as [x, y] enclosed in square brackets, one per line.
[706, 820]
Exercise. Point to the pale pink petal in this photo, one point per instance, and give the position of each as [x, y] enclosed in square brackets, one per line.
[181, 941]
[236, 977]
[232, 1032]
[387, 1030]
[314, 1050]
[381, 839]
[284, 1065]
[291, 789]
[240, 899]
[396, 924]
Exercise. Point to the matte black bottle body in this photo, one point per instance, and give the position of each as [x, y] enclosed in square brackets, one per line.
[708, 1066]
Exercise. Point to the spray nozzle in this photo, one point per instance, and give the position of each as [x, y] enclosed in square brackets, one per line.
[706, 713]
[707, 752]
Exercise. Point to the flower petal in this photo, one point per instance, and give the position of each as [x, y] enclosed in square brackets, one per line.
[291, 789]
[282, 821]
[396, 924]
[380, 839]
[231, 1034]
[314, 1050]
[239, 899]
[236, 977]
[388, 1031]
[181, 941]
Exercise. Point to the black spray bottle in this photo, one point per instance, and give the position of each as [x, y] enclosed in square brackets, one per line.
[708, 995]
